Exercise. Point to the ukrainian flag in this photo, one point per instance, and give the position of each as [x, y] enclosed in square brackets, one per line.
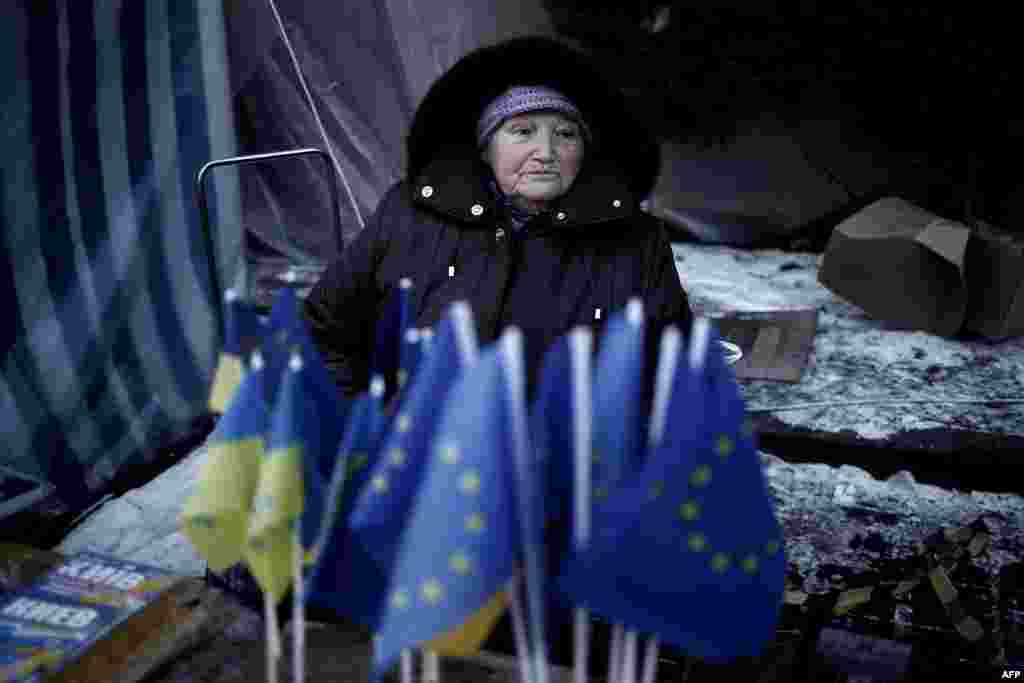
[216, 516]
[243, 332]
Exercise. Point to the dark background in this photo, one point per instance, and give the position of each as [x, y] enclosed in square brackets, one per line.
[932, 86]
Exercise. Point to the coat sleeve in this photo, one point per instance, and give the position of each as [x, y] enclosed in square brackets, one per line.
[341, 310]
[665, 301]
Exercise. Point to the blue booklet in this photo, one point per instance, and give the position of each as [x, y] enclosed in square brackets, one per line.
[54, 621]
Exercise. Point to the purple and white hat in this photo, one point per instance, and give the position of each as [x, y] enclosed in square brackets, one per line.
[521, 99]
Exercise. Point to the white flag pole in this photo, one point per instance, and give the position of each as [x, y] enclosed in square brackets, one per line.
[650, 660]
[273, 637]
[626, 656]
[580, 346]
[298, 591]
[431, 667]
[512, 350]
[615, 654]
[519, 631]
[668, 356]
[405, 666]
[629, 658]
[298, 611]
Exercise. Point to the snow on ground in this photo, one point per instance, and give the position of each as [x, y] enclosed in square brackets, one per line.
[855, 358]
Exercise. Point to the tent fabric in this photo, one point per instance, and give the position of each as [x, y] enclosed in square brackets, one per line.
[367, 66]
[111, 108]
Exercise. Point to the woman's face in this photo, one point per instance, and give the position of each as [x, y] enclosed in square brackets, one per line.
[535, 157]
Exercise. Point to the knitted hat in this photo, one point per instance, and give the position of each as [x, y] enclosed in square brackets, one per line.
[521, 99]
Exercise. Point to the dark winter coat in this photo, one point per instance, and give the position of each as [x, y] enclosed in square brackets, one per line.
[444, 229]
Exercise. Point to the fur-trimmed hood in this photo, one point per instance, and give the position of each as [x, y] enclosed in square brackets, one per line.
[444, 126]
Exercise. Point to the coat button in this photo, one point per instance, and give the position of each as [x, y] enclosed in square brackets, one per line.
[427, 191]
[499, 234]
[617, 203]
[476, 209]
[560, 215]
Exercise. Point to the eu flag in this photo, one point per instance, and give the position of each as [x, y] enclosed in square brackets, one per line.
[459, 548]
[383, 505]
[389, 335]
[344, 578]
[216, 516]
[286, 331]
[619, 416]
[243, 332]
[689, 547]
[560, 430]
[410, 355]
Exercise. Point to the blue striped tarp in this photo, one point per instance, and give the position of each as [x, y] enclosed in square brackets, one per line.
[111, 107]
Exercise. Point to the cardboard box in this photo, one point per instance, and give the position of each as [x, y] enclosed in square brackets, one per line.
[995, 278]
[902, 264]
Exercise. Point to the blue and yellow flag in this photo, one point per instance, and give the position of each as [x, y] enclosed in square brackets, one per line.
[459, 549]
[243, 333]
[305, 432]
[216, 516]
[707, 573]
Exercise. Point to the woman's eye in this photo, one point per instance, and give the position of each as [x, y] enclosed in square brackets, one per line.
[569, 133]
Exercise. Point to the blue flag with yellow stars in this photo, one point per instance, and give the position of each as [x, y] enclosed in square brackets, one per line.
[243, 333]
[410, 356]
[345, 579]
[560, 419]
[619, 416]
[286, 331]
[383, 505]
[389, 335]
[459, 549]
[706, 574]
[551, 420]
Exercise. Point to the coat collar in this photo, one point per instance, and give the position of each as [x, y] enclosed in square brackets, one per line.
[455, 186]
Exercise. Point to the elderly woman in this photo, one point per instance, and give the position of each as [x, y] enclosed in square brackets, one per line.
[525, 173]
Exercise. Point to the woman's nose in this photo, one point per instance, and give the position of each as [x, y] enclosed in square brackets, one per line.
[545, 146]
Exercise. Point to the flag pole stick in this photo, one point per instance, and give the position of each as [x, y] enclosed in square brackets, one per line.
[581, 343]
[512, 349]
[273, 642]
[519, 631]
[623, 646]
[628, 674]
[431, 667]
[405, 666]
[298, 611]
[650, 660]
[615, 654]
[668, 353]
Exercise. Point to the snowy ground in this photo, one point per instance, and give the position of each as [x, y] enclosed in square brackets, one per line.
[856, 358]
